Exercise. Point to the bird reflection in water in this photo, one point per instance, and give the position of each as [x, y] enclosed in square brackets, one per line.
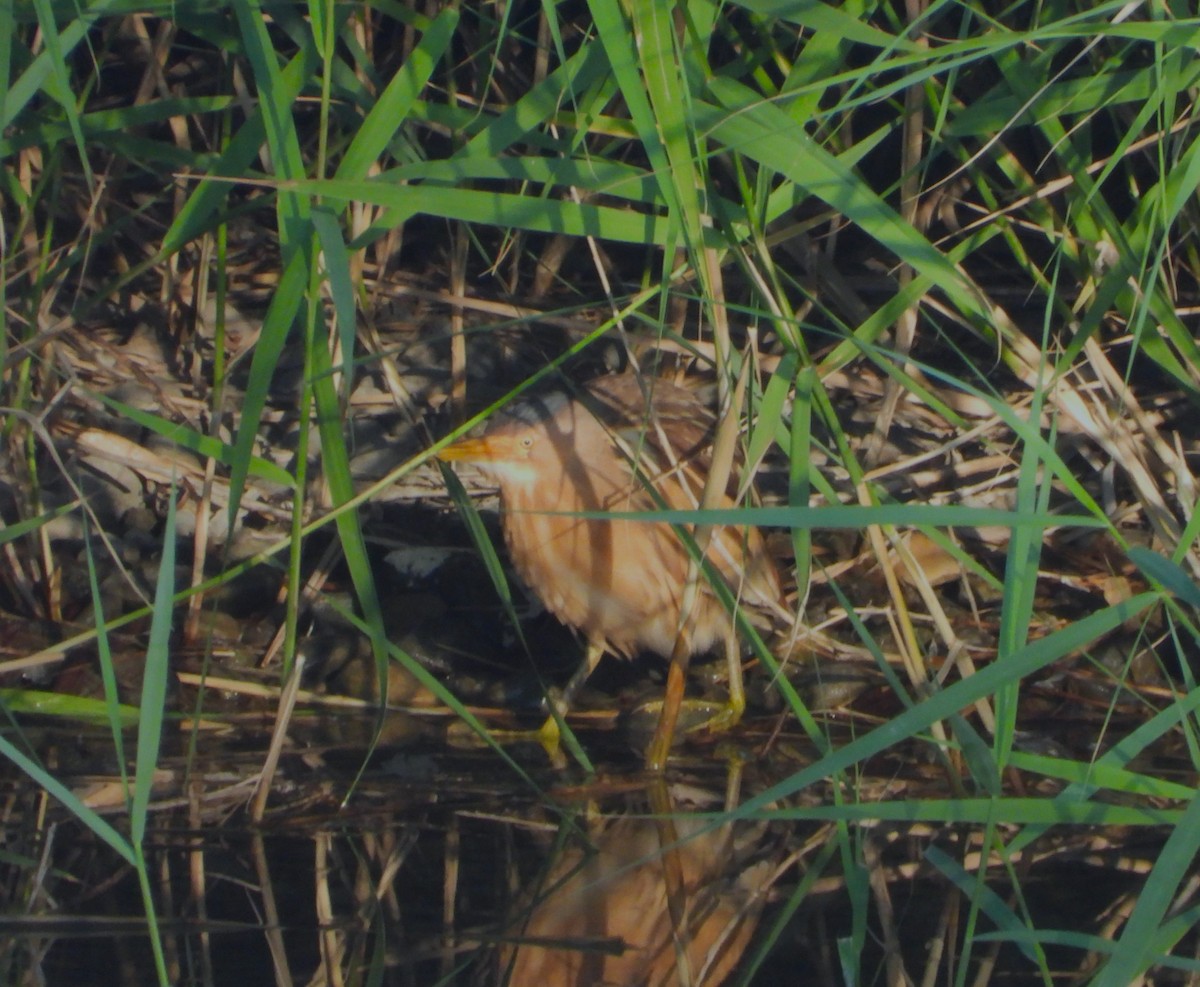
[604, 917]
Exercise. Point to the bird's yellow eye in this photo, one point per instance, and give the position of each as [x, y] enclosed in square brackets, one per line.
[526, 441]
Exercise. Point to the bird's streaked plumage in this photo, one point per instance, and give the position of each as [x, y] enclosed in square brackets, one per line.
[621, 443]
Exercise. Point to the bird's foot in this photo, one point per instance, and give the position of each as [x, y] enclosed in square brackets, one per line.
[549, 735]
[698, 714]
[728, 716]
[462, 735]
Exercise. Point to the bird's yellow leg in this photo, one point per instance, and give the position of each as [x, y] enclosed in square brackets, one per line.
[731, 715]
[553, 734]
[550, 734]
[726, 717]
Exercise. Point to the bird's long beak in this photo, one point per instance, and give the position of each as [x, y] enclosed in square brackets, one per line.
[468, 451]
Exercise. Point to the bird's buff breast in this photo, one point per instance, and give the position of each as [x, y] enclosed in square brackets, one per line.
[629, 608]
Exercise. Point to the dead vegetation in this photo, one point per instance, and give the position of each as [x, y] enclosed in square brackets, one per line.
[257, 265]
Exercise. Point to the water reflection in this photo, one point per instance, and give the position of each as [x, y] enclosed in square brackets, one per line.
[645, 899]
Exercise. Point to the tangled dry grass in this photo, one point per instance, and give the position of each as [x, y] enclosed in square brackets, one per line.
[259, 261]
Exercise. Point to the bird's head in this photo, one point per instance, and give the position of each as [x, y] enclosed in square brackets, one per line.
[523, 445]
[507, 457]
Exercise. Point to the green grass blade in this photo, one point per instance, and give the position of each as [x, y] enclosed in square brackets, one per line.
[203, 445]
[154, 681]
[1137, 948]
[956, 697]
[89, 817]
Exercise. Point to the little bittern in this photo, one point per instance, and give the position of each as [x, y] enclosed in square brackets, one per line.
[621, 443]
